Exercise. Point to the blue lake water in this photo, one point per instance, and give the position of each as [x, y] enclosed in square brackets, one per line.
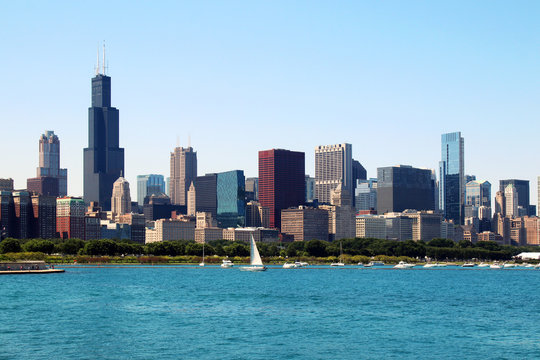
[213, 313]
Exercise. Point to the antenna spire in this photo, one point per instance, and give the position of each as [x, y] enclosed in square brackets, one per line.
[103, 57]
[97, 63]
[189, 141]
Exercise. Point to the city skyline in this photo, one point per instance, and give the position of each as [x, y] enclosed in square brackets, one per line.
[479, 102]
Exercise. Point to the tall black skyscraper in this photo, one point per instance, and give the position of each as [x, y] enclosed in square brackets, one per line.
[103, 158]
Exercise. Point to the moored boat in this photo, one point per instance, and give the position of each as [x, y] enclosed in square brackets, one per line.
[404, 265]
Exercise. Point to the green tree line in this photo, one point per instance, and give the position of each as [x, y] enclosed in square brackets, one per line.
[439, 249]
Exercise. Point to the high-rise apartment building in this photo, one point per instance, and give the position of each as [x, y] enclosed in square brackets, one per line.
[183, 172]
[333, 166]
[404, 187]
[121, 198]
[70, 217]
[281, 181]
[452, 177]
[522, 188]
[103, 158]
[149, 184]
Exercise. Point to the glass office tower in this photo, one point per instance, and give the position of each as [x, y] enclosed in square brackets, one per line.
[452, 177]
[231, 205]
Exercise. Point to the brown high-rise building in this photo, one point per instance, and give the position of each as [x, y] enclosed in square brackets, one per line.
[281, 181]
[183, 172]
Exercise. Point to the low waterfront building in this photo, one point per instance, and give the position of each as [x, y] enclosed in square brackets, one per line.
[371, 226]
[245, 234]
[305, 223]
[206, 234]
[171, 229]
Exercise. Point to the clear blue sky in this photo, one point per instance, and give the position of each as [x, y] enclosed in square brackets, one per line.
[242, 76]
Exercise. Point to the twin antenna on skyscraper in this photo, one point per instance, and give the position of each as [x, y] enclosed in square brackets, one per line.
[104, 67]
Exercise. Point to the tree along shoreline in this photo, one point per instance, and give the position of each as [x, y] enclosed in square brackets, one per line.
[312, 251]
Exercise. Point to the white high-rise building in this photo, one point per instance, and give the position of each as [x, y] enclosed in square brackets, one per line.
[333, 166]
[121, 198]
[511, 200]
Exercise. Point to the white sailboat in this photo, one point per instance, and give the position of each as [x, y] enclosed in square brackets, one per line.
[202, 263]
[340, 262]
[256, 263]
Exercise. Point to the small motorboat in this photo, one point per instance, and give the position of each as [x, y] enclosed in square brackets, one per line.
[227, 263]
[289, 266]
[404, 265]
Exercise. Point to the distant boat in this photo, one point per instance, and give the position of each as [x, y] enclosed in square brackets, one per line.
[340, 262]
[300, 263]
[256, 261]
[289, 266]
[202, 263]
[495, 266]
[507, 266]
[468, 265]
[483, 265]
[376, 263]
[431, 265]
[365, 265]
[227, 263]
[404, 265]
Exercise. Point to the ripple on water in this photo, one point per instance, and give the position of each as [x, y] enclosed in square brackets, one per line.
[182, 312]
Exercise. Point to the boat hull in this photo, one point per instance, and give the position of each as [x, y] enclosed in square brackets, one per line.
[253, 268]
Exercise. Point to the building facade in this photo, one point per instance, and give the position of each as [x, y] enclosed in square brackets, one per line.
[281, 181]
[121, 198]
[70, 212]
[103, 158]
[523, 191]
[404, 187]
[49, 162]
[231, 199]
[365, 194]
[333, 166]
[149, 184]
[452, 177]
[305, 224]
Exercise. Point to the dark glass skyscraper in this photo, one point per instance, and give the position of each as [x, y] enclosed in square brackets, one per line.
[452, 177]
[403, 187]
[103, 158]
[281, 181]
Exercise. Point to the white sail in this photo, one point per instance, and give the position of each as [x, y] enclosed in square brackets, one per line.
[255, 257]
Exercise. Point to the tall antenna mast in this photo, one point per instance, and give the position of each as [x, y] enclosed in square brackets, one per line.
[189, 141]
[97, 64]
[103, 57]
